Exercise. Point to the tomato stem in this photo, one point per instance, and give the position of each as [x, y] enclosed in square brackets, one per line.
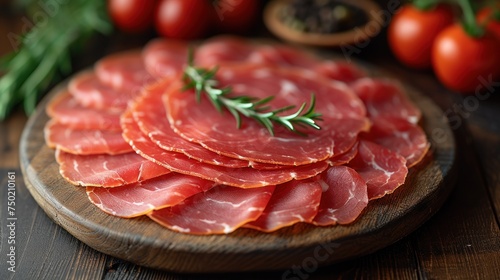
[496, 15]
[470, 24]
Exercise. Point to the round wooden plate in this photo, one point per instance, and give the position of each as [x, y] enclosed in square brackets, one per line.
[144, 242]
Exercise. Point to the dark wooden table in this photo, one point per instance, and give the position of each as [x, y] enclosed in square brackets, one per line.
[462, 241]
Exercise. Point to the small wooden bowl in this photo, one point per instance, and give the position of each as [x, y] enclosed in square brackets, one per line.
[356, 35]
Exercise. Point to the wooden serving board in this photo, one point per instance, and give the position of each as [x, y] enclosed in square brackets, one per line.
[144, 242]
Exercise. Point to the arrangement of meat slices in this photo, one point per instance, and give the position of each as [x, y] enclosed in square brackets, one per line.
[141, 144]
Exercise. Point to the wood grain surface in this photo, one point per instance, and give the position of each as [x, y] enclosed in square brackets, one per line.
[146, 243]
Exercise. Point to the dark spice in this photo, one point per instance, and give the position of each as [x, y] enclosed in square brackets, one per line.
[322, 16]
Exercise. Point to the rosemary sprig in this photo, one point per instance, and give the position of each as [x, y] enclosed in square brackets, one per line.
[43, 55]
[202, 81]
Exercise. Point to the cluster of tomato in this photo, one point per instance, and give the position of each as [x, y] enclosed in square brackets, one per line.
[436, 39]
[184, 19]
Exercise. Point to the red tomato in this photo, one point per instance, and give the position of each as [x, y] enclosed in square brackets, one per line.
[236, 16]
[462, 62]
[184, 19]
[132, 15]
[494, 23]
[412, 32]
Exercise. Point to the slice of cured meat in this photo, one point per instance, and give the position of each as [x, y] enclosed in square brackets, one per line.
[90, 92]
[107, 171]
[239, 177]
[165, 57]
[124, 71]
[382, 169]
[342, 112]
[344, 196]
[400, 136]
[292, 202]
[222, 50]
[220, 210]
[340, 71]
[84, 142]
[345, 157]
[384, 98]
[142, 198]
[66, 110]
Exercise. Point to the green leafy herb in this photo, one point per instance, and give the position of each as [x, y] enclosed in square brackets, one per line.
[202, 81]
[43, 55]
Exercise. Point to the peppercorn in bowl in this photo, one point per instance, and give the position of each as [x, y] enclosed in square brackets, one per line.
[323, 22]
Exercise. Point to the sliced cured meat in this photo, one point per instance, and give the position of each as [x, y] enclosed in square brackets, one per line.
[394, 119]
[344, 196]
[220, 210]
[66, 110]
[283, 56]
[384, 98]
[227, 50]
[289, 56]
[382, 169]
[142, 198]
[165, 57]
[292, 202]
[261, 181]
[84, 142]
[345, 157]
[342, 112]
[340, 71]
[149, 113]
[223, 50]
[90, 92]
[107, 170]
[400, 136]
[124, 71]
[238, 177]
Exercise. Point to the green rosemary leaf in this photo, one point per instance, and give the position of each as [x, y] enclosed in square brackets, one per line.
[218, 104]
[259, 103]
[266, 122]
[236, 115]
[5, 61]
[207, 75]
[44, 54]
